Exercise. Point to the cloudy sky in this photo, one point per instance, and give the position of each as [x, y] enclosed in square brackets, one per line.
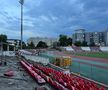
[49, 18]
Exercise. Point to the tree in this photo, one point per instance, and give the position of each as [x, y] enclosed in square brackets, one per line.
[84, 43]
[23, 44]
[56, 44]
[77, 43]
[92, 44]
[3, 39]
[42, 44]
[63, 40]
[31, 45]
[69, 41]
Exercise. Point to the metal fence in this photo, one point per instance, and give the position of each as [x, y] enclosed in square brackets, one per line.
[96, 72]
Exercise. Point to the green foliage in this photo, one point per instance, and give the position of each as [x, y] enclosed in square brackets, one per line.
[3, 38]
[11, 48]
[69, 41]
[78, 43]
[92, 44]
[42, 44]
[64, 40]
[84, 43]
[56, 44]
[23, 45]
[31, 45]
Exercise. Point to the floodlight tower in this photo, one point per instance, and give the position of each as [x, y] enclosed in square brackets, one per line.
[22, 3]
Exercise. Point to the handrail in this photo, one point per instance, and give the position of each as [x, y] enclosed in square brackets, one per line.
[101, 84]
[99, 66]
[96, 82]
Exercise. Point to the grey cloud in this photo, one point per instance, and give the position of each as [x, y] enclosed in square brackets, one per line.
[53, 17]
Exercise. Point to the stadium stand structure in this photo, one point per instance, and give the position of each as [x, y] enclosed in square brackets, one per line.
[86, 49]
[77, 49]
[95, 49]
[68, 48]
[104, 49]
[65, 81]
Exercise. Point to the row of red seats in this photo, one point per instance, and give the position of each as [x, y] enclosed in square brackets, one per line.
[47, 78]
[46, 71]
[69, 81]
[28, 68]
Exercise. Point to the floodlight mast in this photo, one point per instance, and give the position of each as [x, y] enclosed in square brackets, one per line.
[22, 3]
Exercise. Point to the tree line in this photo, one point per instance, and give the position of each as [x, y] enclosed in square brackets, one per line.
[64, 40]
[3, 41]
[40, 44]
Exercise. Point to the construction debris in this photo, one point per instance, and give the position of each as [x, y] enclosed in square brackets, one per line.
[20, 79]
[9, 73]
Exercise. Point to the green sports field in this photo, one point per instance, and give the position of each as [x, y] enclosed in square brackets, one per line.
[94, 54]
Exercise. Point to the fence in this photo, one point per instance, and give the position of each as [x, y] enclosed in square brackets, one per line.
[92, 71]
[96, 72]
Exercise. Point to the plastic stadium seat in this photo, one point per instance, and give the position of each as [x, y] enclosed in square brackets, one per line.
[61, 80]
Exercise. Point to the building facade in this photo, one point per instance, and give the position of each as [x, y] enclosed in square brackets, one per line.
[98, 38]
[36, 40]
[106, 36]
[79, 35]
[88, 37]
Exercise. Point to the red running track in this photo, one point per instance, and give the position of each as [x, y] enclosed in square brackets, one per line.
[83, 57]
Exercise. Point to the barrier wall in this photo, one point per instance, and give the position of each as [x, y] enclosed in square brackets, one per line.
[38, 59]
[95, 49]
[7, 53]
[68, 48]
[86, 48]
[104, 49]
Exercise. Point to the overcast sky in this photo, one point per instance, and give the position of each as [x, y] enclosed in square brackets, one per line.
[49, 18]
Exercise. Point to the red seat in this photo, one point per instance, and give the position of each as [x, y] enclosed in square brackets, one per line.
[9, 73]
[102, 88]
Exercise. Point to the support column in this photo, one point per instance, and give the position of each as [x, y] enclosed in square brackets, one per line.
[14, 48]
[7, 47]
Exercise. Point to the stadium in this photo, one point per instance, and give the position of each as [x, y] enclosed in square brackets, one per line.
[54, 45]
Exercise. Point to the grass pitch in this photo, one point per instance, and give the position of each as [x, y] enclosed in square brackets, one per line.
[94, 54]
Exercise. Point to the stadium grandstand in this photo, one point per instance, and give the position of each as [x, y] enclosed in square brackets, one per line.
[68, 48]
[104, 49]
[77, 49]
[85, 49]
[95, 49]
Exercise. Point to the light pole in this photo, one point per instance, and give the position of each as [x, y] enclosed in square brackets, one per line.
[22, 3]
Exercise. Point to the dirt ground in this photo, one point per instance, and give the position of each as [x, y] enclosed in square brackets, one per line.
[21, 80]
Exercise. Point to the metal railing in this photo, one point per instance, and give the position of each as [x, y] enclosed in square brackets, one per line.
[97, 73]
